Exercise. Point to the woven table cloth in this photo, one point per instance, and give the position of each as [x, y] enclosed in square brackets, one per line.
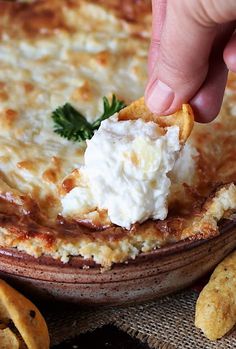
[167, 323]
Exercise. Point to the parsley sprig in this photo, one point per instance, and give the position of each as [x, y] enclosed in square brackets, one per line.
[71, 124]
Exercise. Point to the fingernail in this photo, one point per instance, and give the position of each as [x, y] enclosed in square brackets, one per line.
[159, 97]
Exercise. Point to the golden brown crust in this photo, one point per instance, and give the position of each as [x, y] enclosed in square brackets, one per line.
[25, 222]
[43, 17]
[40, 17]
[64, 238]
[129, 10]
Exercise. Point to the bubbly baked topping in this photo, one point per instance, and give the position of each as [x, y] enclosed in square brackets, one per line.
[47, 58]
[75, 51]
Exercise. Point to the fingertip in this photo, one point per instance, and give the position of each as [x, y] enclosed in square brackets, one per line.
[208, 100]
[206, 107]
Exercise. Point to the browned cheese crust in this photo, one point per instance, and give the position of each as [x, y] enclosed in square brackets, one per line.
[116, 37]
[43, 17]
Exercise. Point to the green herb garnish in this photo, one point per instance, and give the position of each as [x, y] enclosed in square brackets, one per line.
[71, 124]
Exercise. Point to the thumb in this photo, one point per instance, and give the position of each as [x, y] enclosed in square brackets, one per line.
[182, 64]
[158, 19]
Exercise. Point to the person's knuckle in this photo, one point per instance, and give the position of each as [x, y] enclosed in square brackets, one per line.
[212, 12]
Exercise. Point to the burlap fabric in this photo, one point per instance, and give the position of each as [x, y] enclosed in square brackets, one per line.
[167, 323]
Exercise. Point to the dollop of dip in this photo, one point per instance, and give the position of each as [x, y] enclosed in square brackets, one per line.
[125, 172]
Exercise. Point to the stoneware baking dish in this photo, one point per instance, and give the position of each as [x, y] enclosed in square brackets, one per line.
[149, 276]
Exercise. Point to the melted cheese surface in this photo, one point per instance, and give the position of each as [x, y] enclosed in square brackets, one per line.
[77, 51]
[38, 74]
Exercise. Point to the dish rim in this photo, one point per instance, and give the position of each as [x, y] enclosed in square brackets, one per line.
[81, 263]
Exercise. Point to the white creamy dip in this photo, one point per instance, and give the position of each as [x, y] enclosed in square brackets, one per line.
[126, 166]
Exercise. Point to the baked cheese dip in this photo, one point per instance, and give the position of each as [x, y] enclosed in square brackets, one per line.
[128, 188]
[126, 172]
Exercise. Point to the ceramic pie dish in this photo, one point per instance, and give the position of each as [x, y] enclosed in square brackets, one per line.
[149, 276]
[80, 55]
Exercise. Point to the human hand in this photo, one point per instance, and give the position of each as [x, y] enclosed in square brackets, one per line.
[193, 45]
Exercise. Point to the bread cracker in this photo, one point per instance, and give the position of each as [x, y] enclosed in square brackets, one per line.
[183, 118]
[25, 316]
[8, 340]
[216, 305]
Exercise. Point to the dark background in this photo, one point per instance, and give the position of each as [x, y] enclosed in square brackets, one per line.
[107, 337]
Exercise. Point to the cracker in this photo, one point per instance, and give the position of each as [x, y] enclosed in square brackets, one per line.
[8, 339]
[216, 305]
[183, 118]
[25, 316]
